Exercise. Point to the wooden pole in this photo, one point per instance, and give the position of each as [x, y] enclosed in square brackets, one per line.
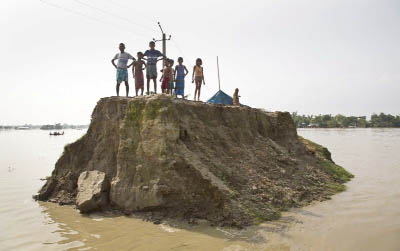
[164, 42]
[219, 80]
[164, 47]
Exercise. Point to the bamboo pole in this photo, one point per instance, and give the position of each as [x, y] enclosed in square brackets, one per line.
[219, 80]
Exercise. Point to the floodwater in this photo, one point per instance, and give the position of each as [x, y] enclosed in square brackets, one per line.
[365, 217]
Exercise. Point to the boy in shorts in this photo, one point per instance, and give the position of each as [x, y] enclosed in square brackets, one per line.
[166, 77]
[122, 67]
[152, 57]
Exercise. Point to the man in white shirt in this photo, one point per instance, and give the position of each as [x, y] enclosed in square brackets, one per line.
[122, 67]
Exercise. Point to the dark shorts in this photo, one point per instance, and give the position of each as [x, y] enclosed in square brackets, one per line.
[151, 71]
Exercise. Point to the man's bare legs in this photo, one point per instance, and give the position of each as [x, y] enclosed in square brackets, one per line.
[197, 91]
[118, 84]
[155, 85]
[148, 85]
[137, 91]
[126, 88]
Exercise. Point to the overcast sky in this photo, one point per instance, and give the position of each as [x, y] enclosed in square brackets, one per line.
[310, 56]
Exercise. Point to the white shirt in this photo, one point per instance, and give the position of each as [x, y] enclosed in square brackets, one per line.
[123, 59]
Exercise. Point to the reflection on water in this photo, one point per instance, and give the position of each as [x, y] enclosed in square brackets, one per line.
[128, 233]
[365, 217]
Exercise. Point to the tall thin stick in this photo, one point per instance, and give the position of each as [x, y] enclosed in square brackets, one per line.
[219, 80]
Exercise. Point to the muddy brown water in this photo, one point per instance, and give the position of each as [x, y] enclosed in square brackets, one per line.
[365, 217]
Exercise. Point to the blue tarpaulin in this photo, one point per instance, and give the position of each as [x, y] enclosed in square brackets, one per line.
[221, 98]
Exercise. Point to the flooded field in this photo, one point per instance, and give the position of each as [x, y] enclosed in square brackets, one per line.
[365, 217]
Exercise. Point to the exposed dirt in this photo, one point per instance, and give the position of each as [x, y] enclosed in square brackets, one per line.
[169, 158]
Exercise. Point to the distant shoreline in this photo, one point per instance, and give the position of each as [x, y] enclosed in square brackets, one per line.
[340, 121]
[348, 128]
[43, 127]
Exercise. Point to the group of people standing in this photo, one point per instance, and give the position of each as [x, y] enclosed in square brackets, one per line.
[172, 79]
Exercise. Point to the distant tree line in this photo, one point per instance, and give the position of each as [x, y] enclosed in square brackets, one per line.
[341, 121]
[57, 126]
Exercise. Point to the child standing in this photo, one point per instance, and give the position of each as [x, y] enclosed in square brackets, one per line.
[198, 77]
[137, 72]
[236, 97]
[122, 67]
[153, 56]
[180, 74]
[166, 77]
[172, 78]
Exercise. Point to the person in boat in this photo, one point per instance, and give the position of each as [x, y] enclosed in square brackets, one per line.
[236, 97]
[180, 74]
[122, 67]
[57, 133]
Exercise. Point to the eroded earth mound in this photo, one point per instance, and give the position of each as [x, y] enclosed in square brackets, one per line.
[173, 158]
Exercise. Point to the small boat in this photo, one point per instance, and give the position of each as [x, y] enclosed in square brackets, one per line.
[56, 133]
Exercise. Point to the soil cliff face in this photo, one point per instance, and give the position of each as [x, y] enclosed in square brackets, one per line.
[179, 159]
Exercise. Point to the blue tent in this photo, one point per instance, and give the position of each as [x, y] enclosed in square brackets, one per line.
[221, 98]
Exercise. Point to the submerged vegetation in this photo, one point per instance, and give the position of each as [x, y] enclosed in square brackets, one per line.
[341, 121]
[338, 173]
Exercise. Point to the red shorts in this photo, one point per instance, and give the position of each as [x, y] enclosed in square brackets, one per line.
[165, 83]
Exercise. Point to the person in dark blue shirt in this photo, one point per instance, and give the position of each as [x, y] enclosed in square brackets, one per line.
[152, 57]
